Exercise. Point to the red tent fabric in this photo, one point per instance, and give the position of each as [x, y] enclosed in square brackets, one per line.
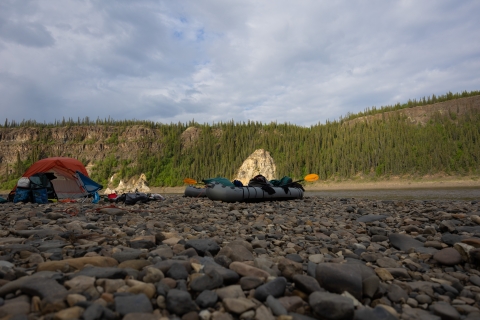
[67, 184]
[63, 164]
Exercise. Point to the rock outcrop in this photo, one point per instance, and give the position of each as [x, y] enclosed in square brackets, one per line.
[259, 162]
[134, 184]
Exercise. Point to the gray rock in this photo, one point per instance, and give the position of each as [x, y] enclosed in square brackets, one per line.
[275, 288]
[229, 276]
[276, 307]
[378, 313]
[206, 299]
[448, 257]
[306, 283]
[445, 311]
[403, 242]
[337, 278]
[396, 294]
[371, 218]
[133, 303]
[294, 257]
[209, 281]
[248, 283]
[96, 311]
[45, 288]
[180, 302]
[15, 307]
[101, 273]
[51, 244]
[41, 233]
[331, 306]
[202, 246]
[451, 239]
[177, 271]
[126, 255]
[386, 262]
[165, 265]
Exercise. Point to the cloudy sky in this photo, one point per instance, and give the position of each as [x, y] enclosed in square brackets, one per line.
[301, 62]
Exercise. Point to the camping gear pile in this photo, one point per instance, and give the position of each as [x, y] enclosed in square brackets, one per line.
[131, 198]
[53, 179]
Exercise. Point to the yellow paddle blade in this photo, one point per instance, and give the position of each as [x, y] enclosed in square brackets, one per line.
[189, 181]
[311, 177]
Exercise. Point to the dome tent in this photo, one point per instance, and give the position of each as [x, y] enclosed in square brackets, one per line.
[67, 176]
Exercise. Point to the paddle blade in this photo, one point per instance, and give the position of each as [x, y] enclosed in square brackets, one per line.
[311, 177]
[189, 181]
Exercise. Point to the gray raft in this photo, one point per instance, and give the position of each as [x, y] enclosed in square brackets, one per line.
[192, 191]
[217, 191]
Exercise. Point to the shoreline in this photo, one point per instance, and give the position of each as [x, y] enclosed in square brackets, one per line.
[439, 183]
[369, 185]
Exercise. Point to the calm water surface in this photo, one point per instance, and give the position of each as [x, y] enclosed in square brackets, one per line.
[471, 193]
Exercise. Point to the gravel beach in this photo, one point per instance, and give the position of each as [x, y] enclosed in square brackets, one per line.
[193, 258]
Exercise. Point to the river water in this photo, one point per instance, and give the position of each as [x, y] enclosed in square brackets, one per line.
[449, 194]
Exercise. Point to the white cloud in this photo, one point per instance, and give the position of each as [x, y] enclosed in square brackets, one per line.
[300, 62]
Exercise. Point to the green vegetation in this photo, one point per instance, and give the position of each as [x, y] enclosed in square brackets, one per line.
[448, 143]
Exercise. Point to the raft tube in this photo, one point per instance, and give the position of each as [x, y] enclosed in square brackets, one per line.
[192, 191]
[217, 191]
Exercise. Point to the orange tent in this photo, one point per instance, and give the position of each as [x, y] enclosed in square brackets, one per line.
[67, 183]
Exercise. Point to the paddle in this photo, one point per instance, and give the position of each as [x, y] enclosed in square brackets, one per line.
[309, 178]
[190, 181]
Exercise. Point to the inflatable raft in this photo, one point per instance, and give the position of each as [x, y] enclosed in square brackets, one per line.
[192, 191]
[217, 191]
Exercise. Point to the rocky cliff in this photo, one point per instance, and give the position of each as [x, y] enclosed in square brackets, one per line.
[86, 143]
[259, 162]
[132, 185]
[422, 114]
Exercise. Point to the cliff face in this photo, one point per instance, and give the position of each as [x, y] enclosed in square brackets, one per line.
[86, 143]
[422, 114]
[259, 162]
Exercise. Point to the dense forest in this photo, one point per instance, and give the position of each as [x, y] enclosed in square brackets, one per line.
[448, 144]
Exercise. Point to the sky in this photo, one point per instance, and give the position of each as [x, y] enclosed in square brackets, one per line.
[301, 62]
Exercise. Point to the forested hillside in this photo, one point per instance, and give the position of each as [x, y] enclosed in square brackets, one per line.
[449, 143]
